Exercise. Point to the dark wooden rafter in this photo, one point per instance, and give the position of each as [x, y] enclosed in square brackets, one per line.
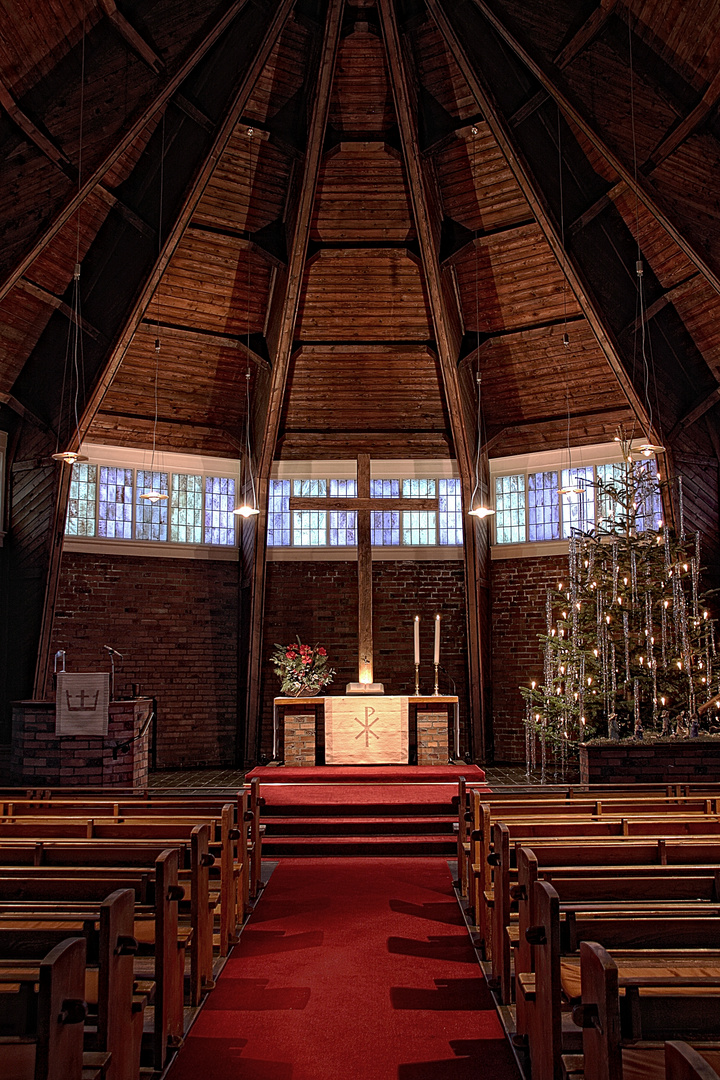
[708, 402]
[132, 36]
[586, 33]
[280, 330]
[24, 413]
[47, 297]
[536, 200]
[685, 128]
[447, 326]
[682, 288]
[145, 292]
[39, 138]
[158, 103]
[577, 117]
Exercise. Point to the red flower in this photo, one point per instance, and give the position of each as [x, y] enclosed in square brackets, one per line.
[291, 655]
[322, 652]
[307, 659]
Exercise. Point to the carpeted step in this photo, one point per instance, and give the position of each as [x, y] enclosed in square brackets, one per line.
[366, 774]
[276, 847]
[346, 825]
[271, 810]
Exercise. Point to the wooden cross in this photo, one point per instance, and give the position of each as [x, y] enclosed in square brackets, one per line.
[363, 505]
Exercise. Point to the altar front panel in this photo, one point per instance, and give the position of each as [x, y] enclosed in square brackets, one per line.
[363, 730]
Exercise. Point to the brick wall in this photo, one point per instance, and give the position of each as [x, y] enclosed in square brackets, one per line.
[678, 761]
[518, 588]
[175, 622]
[317, 600]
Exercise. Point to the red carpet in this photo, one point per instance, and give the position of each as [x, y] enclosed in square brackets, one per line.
[367, 774]
[353, 969]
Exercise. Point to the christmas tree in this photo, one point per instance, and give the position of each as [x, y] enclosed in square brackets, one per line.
[629, 644]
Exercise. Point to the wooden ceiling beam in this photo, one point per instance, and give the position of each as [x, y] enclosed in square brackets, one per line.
[125, 212]
[708, 402]
[574, 114]
[135, 128]
[53, 301]
[44, 143]
[202, 336]
[686, 127]
[132, 36]
[596, 208]
[525, 111]
[23, 412]
[531, 191]
[674, 293]
[585, 34]
[177, 422]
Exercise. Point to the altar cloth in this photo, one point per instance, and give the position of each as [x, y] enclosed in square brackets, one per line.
[366, 730]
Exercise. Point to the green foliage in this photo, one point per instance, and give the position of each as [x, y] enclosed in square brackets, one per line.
[302, 668]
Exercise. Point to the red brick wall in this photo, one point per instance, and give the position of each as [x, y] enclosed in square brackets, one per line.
[317, 600]
[518, 588]
[175, 622]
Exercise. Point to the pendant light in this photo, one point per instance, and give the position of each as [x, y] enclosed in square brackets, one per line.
[481, 510]
[247, 509]
[74, 348]
[152, 496]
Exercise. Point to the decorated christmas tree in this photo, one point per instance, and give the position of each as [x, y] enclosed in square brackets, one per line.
[629, 645]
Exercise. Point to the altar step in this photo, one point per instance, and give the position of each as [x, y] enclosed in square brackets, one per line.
[349, 846]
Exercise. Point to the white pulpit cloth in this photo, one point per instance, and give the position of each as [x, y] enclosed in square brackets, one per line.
[363, 730]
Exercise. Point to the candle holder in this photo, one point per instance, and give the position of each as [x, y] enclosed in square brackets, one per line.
[436, 691]
[417, 680]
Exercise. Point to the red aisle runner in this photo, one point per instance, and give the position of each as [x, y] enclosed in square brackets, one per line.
[350, 969]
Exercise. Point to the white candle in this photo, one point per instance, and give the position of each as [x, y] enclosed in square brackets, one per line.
[437, 640]
[417, 639]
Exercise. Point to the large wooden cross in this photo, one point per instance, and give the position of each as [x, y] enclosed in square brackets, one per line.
[363, 505]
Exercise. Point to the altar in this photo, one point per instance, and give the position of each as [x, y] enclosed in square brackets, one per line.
[363, 729]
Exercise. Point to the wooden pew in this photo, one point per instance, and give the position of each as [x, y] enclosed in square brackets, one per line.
[55, 1051]
[682, 1062]
[156, 932]
[660, 940]
[595, 888]
[620, 1031]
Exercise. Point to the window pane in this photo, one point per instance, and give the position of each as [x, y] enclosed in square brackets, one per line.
[419, 527]
[578, 506]
[510, 509]
[116, 503]
[186, 509]
[450, 512]
[384, 489]
[80, 519]
[220, 522]
[310, 489]
[418, 489]
[385, 526]
[611, 482]
[343, 489]
[278, 530]
[310, 527]
[649, 511]
[151, 517]
[343, 528]
[543, 506]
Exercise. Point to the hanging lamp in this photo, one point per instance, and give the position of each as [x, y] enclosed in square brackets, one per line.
[247, 509]
[481, 510]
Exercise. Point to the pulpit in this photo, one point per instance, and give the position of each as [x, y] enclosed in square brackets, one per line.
[365, 730]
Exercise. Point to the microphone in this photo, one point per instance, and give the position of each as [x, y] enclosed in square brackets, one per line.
[113, 652]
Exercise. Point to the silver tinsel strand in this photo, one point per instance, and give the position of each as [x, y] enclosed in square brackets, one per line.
[615, 572]
[636, 697]
[626, 635]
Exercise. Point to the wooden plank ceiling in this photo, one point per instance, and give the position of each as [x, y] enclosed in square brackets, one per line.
[553, 142]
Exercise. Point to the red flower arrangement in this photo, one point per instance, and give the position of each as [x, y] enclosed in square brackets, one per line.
[302, 668]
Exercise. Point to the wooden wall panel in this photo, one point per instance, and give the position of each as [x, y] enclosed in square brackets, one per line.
[249, 186]
[518, 282]
[479, 190]
[361, 99]
[439, 73]
[36, 37]
[22, 320]
[687, 183]
[362, 196]
[283, 75]
[363, 295]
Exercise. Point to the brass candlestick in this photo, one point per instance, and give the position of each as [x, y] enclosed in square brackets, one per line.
[417, 680]
[436, 692]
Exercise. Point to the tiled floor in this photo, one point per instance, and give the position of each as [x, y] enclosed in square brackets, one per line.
[497, 776]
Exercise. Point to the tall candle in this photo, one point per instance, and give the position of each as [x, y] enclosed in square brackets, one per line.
[417, 639]
[437, 640]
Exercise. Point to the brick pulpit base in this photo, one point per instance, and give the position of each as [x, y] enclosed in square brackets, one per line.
[39, 757]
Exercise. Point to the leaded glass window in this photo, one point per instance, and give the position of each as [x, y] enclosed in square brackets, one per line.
[450, 515]
[278, 533]
[543, 506]
[309, 528]
[578, 499]
[510, 509]
[343, 489]
[310, 489]
[151, 518]
[80, 519]
[419, 527]
[186, 509]
[343, 528]
[219, 525]
[610, 511]
[649, 511]
[385, 527]
[384, 489]
[115, 505]
[418, 489]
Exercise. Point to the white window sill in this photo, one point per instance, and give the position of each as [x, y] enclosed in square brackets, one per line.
[153, 548]
[529, 550]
